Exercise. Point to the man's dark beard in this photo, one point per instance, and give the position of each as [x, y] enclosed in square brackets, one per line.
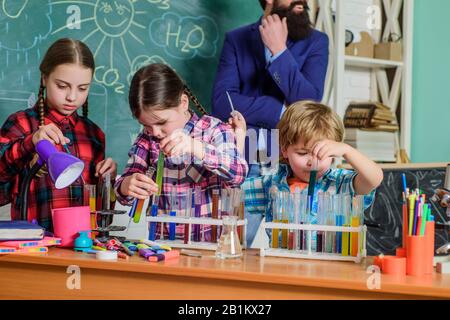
[299, 25]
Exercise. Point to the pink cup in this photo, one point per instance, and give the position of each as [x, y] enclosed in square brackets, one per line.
[68, 222]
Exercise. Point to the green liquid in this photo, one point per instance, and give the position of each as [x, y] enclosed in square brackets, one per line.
[312, 182]
[159, 172]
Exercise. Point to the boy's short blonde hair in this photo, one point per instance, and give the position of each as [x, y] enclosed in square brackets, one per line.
[309, 120]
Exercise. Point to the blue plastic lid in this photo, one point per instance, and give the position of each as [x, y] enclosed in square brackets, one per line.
[83, 241]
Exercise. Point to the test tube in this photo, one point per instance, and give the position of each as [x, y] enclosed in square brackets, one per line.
[138, 204]
[346, 210]
[90, 194]
[276, 219]
[302, 208]
[321, 214]
[357, 218]
[292, 219]
[329, 236]
[337, 210]
[173, 212]
[313, 177]
[106, 192]
[215, 213]
[308, 220]
[297, 218]
[284, 204]
[188, 211]
[197, 212]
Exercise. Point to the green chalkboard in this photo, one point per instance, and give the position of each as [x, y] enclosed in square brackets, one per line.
[123, 35]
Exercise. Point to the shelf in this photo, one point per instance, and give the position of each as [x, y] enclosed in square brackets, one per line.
[371, 63]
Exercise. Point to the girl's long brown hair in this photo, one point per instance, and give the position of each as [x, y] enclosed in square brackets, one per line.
[63, 51]
[157, 85]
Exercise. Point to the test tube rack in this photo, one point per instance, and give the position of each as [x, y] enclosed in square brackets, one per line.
[190, 221]
[308, 253]
[104, 227]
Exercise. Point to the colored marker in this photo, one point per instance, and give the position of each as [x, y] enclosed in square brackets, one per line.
[411, 214]
[404, 183]
[146, 253]
[174, 254]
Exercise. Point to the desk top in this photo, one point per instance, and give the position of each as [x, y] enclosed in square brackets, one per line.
[252, 268]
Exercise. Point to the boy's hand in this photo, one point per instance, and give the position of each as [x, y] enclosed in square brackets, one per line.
[328, 148]
[138, 186]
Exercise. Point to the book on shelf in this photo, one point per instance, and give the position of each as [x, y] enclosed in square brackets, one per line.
[371, 116]
[377, 145]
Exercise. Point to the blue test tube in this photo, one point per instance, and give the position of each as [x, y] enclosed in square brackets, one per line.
[173, 212]
[154, 213]
[197, 212]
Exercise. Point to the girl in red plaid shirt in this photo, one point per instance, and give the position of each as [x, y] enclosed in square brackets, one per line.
[66, 74]
[200, 152]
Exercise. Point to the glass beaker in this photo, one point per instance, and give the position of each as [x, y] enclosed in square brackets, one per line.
[229, 244]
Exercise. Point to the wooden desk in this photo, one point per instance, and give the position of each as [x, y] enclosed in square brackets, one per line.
[252, 277]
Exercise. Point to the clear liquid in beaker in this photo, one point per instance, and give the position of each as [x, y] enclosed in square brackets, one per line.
[229, 243]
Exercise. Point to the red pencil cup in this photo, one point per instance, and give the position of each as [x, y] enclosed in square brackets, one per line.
[429, 253]
[400, 252]
[415, 252]
[378, 261]
[394, 265]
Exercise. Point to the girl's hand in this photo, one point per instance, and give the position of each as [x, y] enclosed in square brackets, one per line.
[239, 125]
[179, 143]
[237, 121]
[51, 133]
[106, 166]
[328, 148]
[138, 186]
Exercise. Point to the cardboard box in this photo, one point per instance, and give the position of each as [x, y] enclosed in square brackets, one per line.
[364, 48]
[389, 51]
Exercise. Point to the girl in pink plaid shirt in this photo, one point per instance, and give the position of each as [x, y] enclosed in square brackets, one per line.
[200, 152]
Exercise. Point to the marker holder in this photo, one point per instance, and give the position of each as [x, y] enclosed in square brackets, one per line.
[190, 222]
[308, 253]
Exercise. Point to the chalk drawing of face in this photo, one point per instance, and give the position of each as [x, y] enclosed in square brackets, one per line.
[114, 18]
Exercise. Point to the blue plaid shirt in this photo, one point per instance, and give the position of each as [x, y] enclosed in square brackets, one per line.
[335, 181]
